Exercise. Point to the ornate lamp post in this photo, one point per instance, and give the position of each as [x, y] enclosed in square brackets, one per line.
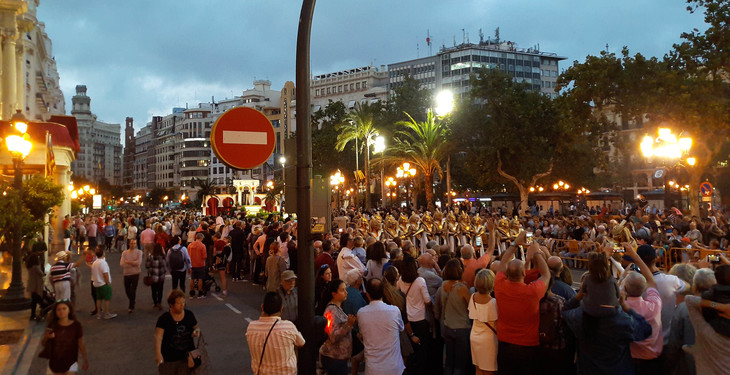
[444, 106]
[336, 180]
[406, 172]
[379, 147]
[673, 151]
[19, 146]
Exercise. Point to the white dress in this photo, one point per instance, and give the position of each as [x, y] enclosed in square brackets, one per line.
[483, 340]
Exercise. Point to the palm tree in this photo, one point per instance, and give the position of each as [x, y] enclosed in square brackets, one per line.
[359, 126]
[424, 145]
[207, 187]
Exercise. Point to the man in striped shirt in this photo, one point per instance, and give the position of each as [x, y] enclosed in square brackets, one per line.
[61, 274]
[271, 340]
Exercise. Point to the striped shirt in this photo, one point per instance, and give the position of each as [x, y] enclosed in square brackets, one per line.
[61, 271]
[279, 357]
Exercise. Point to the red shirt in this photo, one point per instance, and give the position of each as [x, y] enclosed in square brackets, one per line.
[198, 253]
[518, 308]
[218, 246]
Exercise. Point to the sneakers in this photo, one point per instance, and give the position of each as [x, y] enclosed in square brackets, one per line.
[99, 316]
[225, 293]
[202, 296]
[93, 313]
[110, 316]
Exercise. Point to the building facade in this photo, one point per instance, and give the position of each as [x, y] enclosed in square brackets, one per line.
[100, 157]
[366, 84]
[452, 67]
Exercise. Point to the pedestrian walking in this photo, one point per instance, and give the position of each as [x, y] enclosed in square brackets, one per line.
[221, 262]
[198, 255]
[174, 334]
[178, 262]
[156, 268]
[35, 282]
[131, 261]
[65, 337]
[102, 281]
[61, 274]
[272, 341]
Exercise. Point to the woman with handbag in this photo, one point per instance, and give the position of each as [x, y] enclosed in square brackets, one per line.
[156, 268]
[131, 261]
[451, 310]
[63, 341]
[174, 336]
[483, 312]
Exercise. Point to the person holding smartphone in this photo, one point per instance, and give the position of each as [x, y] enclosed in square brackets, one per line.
[66, 337]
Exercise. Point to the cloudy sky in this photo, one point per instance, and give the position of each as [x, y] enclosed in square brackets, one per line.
[140, 58]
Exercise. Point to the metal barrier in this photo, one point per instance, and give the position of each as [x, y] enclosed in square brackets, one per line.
[675, 255]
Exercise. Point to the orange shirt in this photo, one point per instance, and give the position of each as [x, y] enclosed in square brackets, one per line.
[470, 268]
[518, 308]
[198, 253]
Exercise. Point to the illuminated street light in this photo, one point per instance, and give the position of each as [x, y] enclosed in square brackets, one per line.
[444, 103]
[19, 146]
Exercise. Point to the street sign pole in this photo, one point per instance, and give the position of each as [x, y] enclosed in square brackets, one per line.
[305, 320]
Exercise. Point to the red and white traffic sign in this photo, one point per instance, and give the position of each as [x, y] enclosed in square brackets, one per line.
[242, 138]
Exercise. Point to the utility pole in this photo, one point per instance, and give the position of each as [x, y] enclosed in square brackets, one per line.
[307, 364]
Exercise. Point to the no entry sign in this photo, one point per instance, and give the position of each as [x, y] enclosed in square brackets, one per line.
[242, 138]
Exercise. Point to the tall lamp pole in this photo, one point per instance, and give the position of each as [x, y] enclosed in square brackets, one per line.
[379, 147]
[444, 106]
[19, 145]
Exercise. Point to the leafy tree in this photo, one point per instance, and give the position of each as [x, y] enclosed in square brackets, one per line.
[40, 196]
[688, 90]
[423, 145]
[524, 133]
[324, 137]
[409, 98]
[359, 126]
[205, 187]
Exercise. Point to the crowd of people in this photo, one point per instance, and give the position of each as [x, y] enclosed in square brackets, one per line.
[466, 290]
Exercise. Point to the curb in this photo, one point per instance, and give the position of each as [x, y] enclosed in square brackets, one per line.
[17, 355]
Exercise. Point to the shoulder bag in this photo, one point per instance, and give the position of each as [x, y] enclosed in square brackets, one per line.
[485, 323]
[263, 350]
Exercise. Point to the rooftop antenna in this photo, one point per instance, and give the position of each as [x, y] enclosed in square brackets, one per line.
[481, 36]
[463, 36]
[418, 51]
[454, 36]
[606, 47]
[496, 35]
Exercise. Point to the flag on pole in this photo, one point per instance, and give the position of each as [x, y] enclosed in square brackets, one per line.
[50, 157]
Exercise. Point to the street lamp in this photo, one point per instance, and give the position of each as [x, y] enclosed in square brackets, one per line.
[406, 172]
[379, 147]
[444, 106]
[390, 183]
[336, 180]
[672, 150]
[19, 146]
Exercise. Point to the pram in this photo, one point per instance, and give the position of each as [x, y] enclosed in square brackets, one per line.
[48, 300]
[208, 284]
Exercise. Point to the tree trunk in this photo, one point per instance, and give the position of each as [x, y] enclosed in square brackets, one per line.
[368, 204]
[428, 182]
[695, 179]
[524, 190]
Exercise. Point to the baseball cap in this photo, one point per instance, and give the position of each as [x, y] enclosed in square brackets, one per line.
[288, 275]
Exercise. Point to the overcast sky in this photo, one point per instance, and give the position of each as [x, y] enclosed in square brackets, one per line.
[140, 58]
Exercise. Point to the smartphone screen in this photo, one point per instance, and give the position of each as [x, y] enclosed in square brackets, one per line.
[478, 241]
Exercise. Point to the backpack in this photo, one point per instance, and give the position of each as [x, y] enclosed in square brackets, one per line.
[109, 230]
[177, 261]
[552, 331]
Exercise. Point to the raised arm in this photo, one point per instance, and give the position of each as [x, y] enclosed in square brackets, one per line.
[630, 251]
[538, 259]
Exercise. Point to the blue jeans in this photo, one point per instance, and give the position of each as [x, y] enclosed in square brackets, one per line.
[334, 366]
